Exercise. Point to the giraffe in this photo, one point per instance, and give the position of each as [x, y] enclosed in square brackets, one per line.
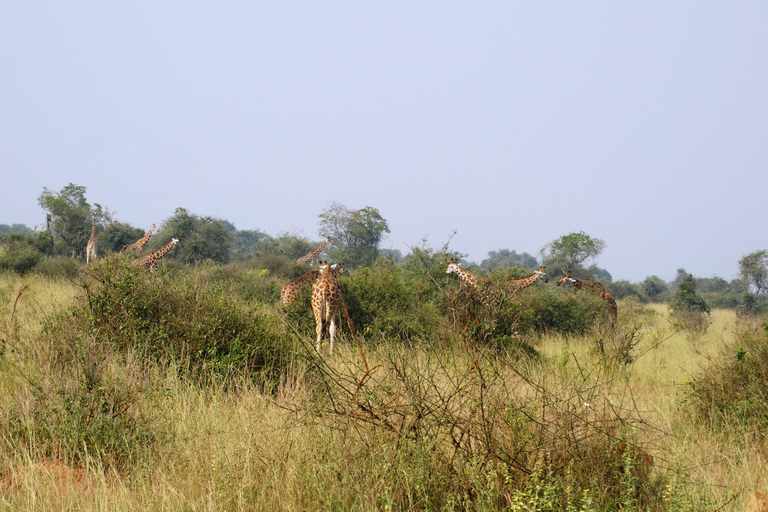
[525, 282]
[150, 259]
[326, 296]
[139, 244]
[466, 276]
[594, 287]
[290, 290]
[311, 257]
[487, 292]
[93, 242]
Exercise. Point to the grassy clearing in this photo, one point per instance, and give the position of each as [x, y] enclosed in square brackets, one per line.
[431, 423]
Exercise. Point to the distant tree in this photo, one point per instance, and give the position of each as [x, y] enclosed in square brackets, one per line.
[118, 235]
[202, 238]
[355, 234]
[288, 245]
[507, 258]
[623, 288]
[680, 274]
[571, 252]
[753, 268]
[395, 254]
[71, 216]
[685, 297]
[653, 286]
[15, 228]
[712, 284]
[245, 241]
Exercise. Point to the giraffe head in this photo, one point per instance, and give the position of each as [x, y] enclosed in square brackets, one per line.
[542, 273]
[341, 269]
[453, 266]
[154, 229]
[566, 278]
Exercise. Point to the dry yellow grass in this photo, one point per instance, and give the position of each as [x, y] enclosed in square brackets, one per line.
[245, 450]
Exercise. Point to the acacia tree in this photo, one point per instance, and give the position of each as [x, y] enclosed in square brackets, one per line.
[571, 251]
[356, 234]
[71, 216]
[753, 268]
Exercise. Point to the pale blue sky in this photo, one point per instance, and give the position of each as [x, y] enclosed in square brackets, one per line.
[513, 123]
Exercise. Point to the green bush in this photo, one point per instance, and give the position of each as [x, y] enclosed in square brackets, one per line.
[20, 260]
[56, 266]
[385, 300]
[82, 410]
[180, 318]
[733, 390]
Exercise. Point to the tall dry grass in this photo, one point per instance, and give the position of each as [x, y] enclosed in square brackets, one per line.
[393, 427]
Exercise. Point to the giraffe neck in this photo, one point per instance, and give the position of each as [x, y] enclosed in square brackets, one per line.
[525, 282]
[311, 257]
[468, 277]
[165, 249]
[93, 227]
[143, 240]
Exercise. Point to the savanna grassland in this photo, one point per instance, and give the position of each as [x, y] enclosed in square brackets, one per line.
[193, 389]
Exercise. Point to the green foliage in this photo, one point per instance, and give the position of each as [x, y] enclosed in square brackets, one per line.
[685, 297]
[385, 300]
[355, 234]
[71, 216]
[754, 270]
[286, 246]
[118, 235]
[245, 241]
[733, 391]
[83, 411]
[621, 289]
[202, 238]
[507, 258]
[14, 228]
[571, 251]
[19, 259]
[653, 287]
[22, 251]
[194, 323]
[57, 266]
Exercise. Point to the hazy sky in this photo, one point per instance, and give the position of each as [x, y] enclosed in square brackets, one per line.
[512, 123]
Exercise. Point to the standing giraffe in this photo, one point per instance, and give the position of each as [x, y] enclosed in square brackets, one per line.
[290, 290]
[326, 296]
[525, 282]
[139, 244]
[594, 287]
[311, 257]
[150, 259]
[93, 242]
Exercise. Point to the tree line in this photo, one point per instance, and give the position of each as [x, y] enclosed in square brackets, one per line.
[356, 238]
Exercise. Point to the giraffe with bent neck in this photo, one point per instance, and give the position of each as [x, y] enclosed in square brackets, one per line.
[594, 287]
[468, 277]
[311, 257]
[139, 244]
[488, 293]
[326, 295]
[93, 242]
[150, 259]
[291, 289]
[525, 282]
